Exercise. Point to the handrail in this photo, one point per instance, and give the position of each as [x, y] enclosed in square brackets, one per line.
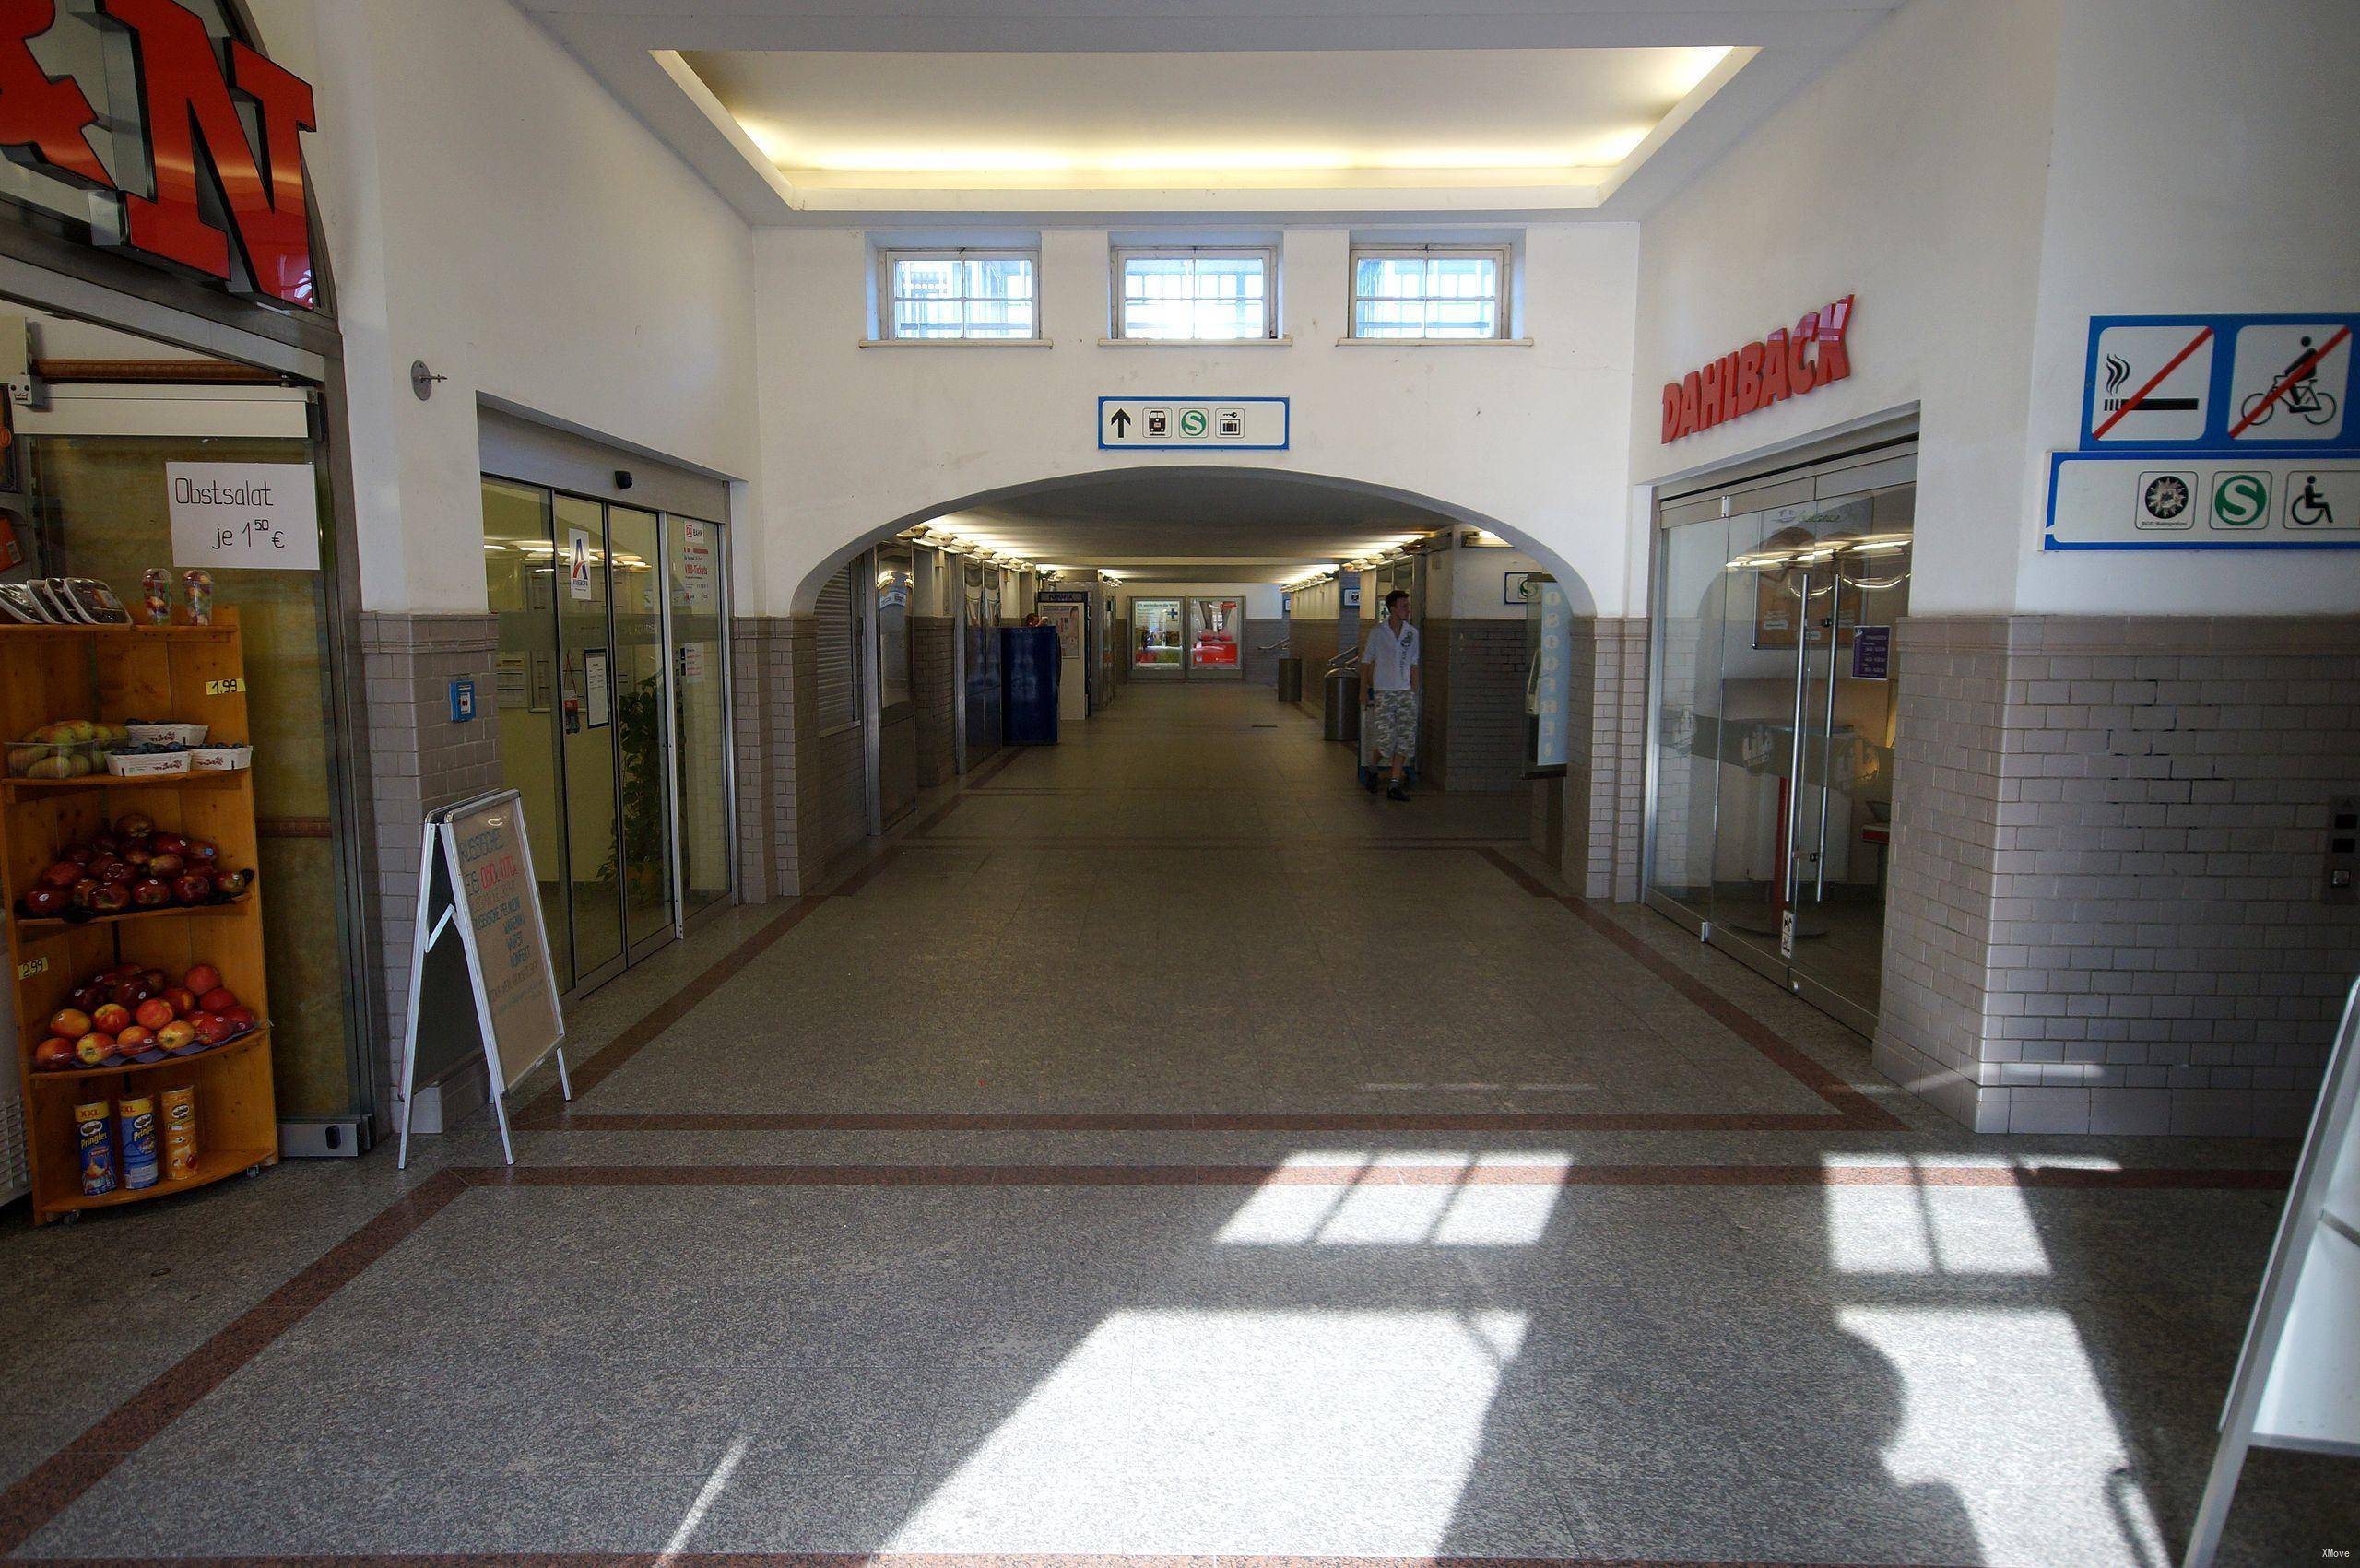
[1347, 659]
[1271, 647]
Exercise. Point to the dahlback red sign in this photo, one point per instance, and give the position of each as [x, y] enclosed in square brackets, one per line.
[1781, 365]
[190, 95]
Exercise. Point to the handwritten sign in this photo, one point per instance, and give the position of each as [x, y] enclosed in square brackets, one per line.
[511, 950]
[244, 516]
[480, 976]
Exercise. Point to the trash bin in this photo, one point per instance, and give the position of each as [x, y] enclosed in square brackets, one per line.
[1289, 680]
[1343, 708]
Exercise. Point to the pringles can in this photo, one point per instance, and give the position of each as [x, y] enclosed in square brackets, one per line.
[180, 1133]
[139, 1167]
[199, 584]
[98, 1148]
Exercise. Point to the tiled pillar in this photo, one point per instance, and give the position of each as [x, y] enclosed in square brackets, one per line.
[1471, 732]
[418, 759]
[2106, 907]
[1601, 816]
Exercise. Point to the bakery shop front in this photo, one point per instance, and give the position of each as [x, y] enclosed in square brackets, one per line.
[178, 609]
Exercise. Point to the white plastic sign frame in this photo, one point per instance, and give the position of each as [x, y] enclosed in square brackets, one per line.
[441, 840]
[2297, 1383]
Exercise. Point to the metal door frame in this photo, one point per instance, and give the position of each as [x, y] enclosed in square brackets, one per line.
[955, 565]
[683, 921]
[873, 718]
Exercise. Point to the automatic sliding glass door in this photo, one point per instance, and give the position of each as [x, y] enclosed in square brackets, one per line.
[611, 700]
[1771, 794]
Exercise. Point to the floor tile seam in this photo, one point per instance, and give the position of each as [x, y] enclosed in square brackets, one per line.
[694, 992]
[1260, 1175]
[55, 1484]
[901, 1560]
[1854, 1103]
[968, 786]
[1204, 1122]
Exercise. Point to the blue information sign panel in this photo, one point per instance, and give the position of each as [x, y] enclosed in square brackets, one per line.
[2212, 432]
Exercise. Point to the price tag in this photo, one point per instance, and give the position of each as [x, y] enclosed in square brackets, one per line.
[31, 967]
[229, 688]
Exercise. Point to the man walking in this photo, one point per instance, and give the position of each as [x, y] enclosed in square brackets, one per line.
[1389, 692]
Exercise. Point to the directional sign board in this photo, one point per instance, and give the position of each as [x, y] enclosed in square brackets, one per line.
[2248, 383]
[1190, 424]
[2212, 432]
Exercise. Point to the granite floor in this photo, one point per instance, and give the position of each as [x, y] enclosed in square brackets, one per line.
[1157, 1149]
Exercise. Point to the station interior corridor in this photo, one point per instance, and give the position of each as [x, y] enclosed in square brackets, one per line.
[1159, 1149]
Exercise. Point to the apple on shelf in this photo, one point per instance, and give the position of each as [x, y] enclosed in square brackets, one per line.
[130, 1014]
[133, 868]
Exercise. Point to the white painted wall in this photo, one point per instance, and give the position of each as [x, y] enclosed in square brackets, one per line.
[1468, 584]
[2203, 160]
[1986, 175]
[1911, 173]
[1534, 439]
[492, 210]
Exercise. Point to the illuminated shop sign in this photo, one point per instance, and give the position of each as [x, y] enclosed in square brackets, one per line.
[1780, 366]
[201, 171]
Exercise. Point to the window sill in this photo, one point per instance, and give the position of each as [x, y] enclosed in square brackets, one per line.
[954, 343]
[1196, 343]
[1433, 343]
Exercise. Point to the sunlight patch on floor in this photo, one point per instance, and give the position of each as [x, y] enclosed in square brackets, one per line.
[1169, 1432]
[1431, 1197]
[2002, 1412]
[1933, 1229]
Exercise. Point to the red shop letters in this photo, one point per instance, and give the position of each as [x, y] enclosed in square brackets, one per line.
[1781, 365]
[190, 92]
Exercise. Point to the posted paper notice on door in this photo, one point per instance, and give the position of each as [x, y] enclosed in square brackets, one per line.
[244, 516]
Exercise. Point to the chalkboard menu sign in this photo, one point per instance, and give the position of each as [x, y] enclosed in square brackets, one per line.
[481, 980]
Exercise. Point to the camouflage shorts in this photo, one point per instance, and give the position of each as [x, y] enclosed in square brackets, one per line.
[1393, 719]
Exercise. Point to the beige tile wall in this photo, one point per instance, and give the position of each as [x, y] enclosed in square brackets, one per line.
[2106, 910]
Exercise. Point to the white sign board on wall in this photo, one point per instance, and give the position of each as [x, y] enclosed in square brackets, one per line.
[244, 516]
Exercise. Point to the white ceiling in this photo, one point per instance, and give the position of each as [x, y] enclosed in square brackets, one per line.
[1298, 119]
[1194, 525]
[1046, 110]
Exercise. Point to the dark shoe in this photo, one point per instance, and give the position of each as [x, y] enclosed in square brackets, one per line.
[1396, 793]
[1370, 782]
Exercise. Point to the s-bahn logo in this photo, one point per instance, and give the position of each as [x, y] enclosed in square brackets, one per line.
[194, 183]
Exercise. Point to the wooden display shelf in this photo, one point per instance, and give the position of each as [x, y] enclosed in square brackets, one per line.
[212, 1166]
[92, 783]
[43, 1078]
[38, 926]
[224, 628]
[185, 674]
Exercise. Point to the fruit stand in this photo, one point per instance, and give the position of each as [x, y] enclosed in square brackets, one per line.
[124, 891]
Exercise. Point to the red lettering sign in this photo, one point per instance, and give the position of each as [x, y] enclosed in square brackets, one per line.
[1780, 366]
[189, 96]
[43, 117]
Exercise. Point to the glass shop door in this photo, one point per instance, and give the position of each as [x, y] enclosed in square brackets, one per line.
[1773, 686]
